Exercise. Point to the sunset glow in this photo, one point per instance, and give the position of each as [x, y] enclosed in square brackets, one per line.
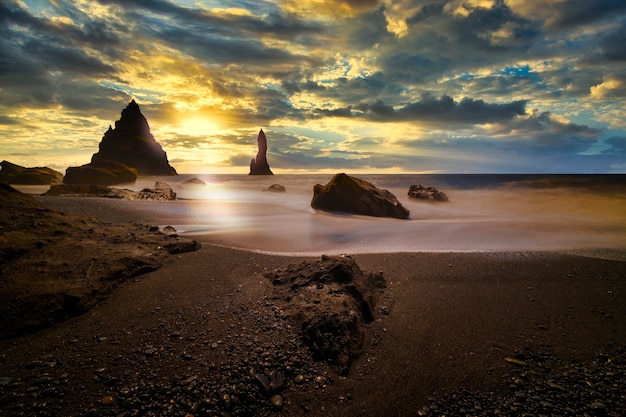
[373, 86]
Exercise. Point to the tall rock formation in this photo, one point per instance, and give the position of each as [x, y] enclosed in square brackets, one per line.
[259, 165]
[132, 144]
[126, 149]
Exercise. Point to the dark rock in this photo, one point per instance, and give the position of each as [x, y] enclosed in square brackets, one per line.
[353, 195]
[276, 188]
[129, 147]
[259, 165]
[182, 247]
[10, 196]
[100, 172]
[420, 192]
[331, 319]
[194, 181]
[132, 144]
[15, 174]
[161, 191]
[86, 190]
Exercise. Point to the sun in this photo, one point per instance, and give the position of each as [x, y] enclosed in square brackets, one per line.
[198, 126]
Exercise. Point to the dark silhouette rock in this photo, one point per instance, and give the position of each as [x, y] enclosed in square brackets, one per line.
[100, 172]
[276, 188]
[419, 192]
[353, 195]
[16, 174]
[132, 144]
[259, 165]
[332, 301]
[129, 145]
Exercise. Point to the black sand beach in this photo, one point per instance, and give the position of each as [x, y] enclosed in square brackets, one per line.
[508, 333]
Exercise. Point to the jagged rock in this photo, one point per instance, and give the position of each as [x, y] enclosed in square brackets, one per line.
[16, 174]
[276, 188]
[259, 165]
[353, 195]
[161, 191]
[100, 172]
[194, 181]
[131, 145]
[331, 300]
[420, 192]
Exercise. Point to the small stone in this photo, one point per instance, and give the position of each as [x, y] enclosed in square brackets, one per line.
[542, 327]
[277, 401]
[597, 406]
[43, 380]
[5, 380]
[262, 381]
[320, 380]
[299, 380]
[108, 400]
[277, 381]
[517, 362]
[33, 364]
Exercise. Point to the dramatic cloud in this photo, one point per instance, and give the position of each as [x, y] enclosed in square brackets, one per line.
[374, 85]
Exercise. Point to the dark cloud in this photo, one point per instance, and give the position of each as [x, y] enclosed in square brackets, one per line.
[612, 45]
[573, 13]
[442, 111]
[617, 144]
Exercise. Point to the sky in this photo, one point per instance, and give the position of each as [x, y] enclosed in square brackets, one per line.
[371, 86]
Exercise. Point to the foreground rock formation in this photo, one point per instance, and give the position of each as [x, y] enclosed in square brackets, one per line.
[161, 192]
[125, 151]
[331, 300]
[57, 265]
[259, 165]
[420, 192]
[16, 174]
[353, 195]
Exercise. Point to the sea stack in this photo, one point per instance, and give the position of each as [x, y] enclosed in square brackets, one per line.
[128, 147]
[259, 165]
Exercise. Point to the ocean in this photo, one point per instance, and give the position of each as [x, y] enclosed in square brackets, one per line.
[486, 213]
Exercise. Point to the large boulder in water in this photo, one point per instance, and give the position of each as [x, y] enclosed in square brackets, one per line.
[16, 174]
[420, 192]
[100, 172]
[353, 195]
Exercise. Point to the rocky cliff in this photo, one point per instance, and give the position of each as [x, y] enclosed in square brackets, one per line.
[129, 145]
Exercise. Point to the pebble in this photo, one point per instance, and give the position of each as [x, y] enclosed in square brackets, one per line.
[108, 400]
[545, 391]
[277, 401]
